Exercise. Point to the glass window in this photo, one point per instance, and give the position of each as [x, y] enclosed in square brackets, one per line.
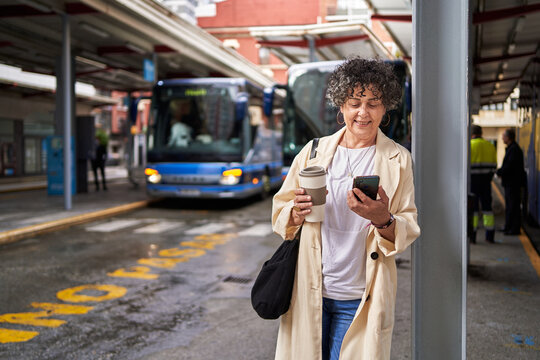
[197, 121]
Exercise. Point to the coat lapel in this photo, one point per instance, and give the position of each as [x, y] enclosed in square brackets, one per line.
[387, 164]
[387, 167]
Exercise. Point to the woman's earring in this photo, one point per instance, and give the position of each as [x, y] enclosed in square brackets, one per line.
[387, 120]
[338, 117]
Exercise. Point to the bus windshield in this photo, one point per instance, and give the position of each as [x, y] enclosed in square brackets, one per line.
[308, 113]
[195, 123]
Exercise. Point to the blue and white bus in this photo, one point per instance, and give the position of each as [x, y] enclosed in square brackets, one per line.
[211, 138]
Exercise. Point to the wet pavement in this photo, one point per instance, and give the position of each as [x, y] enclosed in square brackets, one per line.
[174, 298]
[118, 303]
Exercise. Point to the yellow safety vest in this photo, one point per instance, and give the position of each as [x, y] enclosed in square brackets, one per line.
[483, 157]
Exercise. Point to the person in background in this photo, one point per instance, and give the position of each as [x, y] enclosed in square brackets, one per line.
[512, 173]
[483, 166]
[181, 132]
[99, 159]
[344, 293]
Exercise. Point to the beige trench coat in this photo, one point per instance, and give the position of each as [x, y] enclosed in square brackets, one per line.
[370, 334]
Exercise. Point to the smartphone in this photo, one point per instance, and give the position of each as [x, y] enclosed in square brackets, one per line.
[369, 185]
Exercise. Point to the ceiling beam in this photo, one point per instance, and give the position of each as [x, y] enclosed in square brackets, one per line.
[393, 18]
[163, 49]
[318, 42]
[478, 18]
[485, 82]
[495, 15]
[10, 11]
[479, 61]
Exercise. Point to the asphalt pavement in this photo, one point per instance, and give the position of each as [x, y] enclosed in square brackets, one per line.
[503, 290]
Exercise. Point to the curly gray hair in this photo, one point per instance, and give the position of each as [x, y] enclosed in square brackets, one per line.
[372, 74]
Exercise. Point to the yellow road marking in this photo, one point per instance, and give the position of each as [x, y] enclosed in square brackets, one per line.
[11, 336]
[525, 240]
[164, 263]
[41, 318]
[531, 252]
[138, 272]
[38, 318]
[72, 294]
[189, 253]
[62, 309]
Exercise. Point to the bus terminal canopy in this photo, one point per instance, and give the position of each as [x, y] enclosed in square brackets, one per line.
[505, 35]
[110, 40]
[320, 42]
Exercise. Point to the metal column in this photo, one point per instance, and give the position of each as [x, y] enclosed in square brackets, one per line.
[312, 48]
[66, 109]
[440, 110]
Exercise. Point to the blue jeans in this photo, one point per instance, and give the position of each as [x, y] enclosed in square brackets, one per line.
[336, 319]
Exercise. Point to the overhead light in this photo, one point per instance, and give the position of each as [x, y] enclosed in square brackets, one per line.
[135, 48]
[511, 47]
[497, 85]
[91, 62]
[504, 65]
[36, 5]
[94, 30]
[500, 76]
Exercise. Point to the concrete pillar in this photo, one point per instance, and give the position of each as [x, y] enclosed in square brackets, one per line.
[440, 140]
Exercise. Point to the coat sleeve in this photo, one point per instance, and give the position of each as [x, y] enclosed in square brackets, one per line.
[407, 229]
[506, 167]
[283, 201]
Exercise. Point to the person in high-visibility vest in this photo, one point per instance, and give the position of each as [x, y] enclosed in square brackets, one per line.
[483, 166]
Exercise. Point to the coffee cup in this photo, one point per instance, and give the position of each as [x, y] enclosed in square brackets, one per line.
[313, 181]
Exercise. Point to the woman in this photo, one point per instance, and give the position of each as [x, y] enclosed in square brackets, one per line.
[344, 295]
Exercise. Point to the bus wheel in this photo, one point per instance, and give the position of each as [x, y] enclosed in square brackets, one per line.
[267, 187]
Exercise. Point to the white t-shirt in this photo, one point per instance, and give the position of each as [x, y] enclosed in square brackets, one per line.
[343, 231]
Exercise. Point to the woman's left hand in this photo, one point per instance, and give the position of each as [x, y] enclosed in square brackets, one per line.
[374, 210]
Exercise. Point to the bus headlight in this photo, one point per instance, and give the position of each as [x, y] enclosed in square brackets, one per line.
[231, 177]
[153, 175]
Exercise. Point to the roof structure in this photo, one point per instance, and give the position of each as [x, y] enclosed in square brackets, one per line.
[505, 36]
[330, 41]
[110, 40]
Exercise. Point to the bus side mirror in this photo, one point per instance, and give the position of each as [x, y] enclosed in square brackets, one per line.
[268, 101]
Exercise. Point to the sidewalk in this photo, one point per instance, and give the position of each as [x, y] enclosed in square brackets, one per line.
[27, 210]
[112, 174]
[503, 294]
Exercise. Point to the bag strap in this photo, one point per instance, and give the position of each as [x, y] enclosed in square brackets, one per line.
[314, 148]
[311, 156]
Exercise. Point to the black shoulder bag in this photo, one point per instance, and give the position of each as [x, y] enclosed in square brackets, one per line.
[272, 290]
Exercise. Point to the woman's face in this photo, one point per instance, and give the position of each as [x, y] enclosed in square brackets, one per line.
[363, 112]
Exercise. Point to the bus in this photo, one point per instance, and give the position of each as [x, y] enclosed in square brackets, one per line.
[211, 138]
[308, 114]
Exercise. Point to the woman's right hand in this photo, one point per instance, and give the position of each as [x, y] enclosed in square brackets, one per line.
[302, 207]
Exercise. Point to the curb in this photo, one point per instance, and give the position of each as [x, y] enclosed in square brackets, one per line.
[19, 189]
[6, 188]
[10, 236]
